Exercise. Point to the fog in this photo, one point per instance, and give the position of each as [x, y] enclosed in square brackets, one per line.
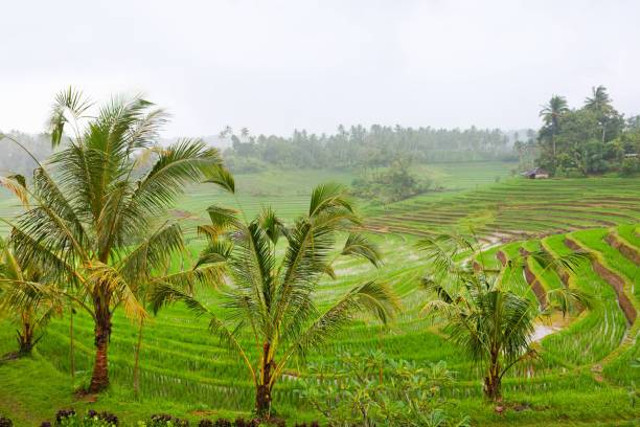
[274, 66]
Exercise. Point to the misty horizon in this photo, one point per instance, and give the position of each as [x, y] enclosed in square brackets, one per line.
[277, 67]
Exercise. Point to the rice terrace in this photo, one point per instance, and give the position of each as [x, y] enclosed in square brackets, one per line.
[476, 264]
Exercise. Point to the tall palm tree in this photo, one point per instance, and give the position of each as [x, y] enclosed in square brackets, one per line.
[600, 104]
[270, 301]
[551, 114]
[599, 100]
[491, 313]
[97, 223]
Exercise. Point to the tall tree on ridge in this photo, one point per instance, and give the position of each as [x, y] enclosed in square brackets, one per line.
[551, 114]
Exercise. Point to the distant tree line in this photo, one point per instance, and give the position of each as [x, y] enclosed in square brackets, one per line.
[361, 147]
[592, 139]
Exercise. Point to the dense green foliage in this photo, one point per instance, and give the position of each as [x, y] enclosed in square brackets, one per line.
[593, 139]
[372, 389]
[398, 182]
[359, 147]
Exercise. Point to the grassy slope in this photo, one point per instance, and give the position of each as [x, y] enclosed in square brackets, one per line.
[185, 371]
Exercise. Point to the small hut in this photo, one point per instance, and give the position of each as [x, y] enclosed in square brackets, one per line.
[537, 173]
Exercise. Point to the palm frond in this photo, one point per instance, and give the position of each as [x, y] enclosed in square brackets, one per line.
[187, 161]
[222, 177]
[108, 278]
[327, 197]
[165, 294]
[17, 185]
[67, 102]
[372, 297]
[358, 245]
[271, 224]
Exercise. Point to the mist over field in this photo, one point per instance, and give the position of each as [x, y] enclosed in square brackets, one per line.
[305, 213]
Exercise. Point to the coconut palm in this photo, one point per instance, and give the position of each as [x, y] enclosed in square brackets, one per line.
[600, 104]
[29, 310]
[551, 114]
[491, 313]
[599, 101]
[270, 297]
[97, 223]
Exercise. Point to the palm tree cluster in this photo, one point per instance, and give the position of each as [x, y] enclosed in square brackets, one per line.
[95, 222]
[95, 235]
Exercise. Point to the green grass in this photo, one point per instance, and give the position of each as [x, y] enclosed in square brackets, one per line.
[187, 372]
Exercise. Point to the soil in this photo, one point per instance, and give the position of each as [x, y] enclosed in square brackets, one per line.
[533, 281]
[626, 250]
[616, 282]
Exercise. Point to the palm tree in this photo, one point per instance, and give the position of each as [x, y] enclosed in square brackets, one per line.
[600, 104]
[551, 114]
[30, 310]
[599, 100]
[491, 313]
[97, 223]
[270, 301]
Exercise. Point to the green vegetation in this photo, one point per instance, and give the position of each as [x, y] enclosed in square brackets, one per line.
[359, 147]
[186, 372]
[390, 185]
[296, 310]
[272, 301]
[590, 140]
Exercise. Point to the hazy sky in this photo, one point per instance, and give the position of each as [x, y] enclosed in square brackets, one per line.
[278, 65]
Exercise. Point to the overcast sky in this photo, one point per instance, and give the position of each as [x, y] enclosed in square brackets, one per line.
[275, 66]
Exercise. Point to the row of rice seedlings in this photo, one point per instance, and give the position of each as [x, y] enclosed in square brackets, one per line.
[594, 240]
[595, 333]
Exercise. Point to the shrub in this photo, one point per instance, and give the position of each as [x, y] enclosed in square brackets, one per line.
[372, 389]
[5, 422]
[69, 418]
[241, 422]
[162, 420]
[206, 423]
[630, 166]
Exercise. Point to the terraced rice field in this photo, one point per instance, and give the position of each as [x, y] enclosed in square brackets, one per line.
[518, 209]
[584, 373]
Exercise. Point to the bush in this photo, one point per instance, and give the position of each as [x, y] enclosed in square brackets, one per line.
[5, 422]
[630, 166]
[372, 389]
[69, 418]
[391, 185]
[162, 420]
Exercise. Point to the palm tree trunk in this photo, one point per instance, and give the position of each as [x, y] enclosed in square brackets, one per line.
[263, 392]
[136, 365]
[25, 337]
[493, 380]
[72, 356]
[100, 376]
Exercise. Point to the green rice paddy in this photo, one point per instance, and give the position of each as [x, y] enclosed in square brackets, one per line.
[585, 374]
